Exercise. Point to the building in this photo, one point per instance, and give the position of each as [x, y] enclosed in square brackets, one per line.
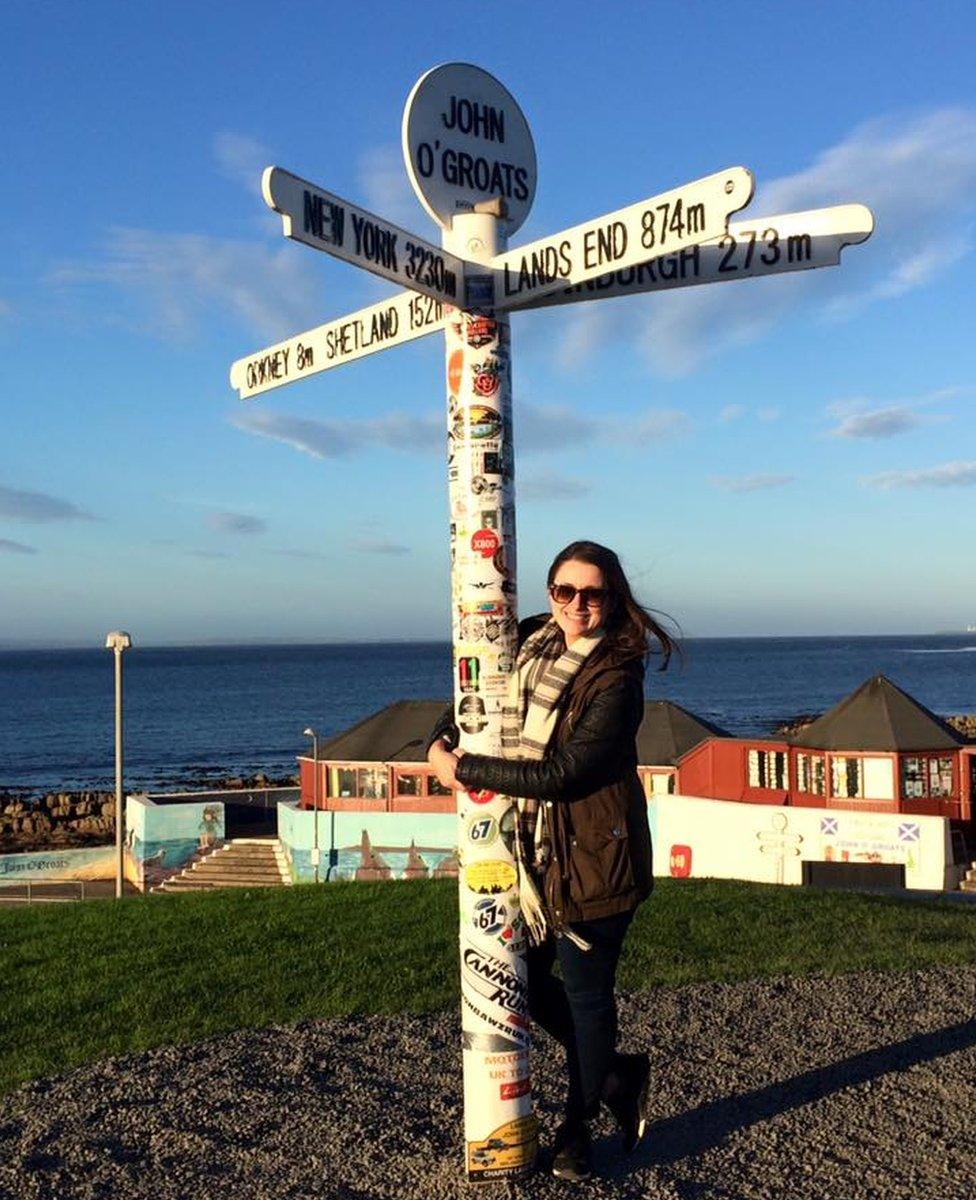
[877, 750]
[378, 764]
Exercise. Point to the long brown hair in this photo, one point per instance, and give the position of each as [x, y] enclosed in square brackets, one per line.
[628, 624]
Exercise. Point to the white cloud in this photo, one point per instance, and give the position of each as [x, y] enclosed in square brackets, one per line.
[953, 474]
[549, 486]
[538, 428]
[231, 522]
[341, 438]
[584, 328]
[732, 412]
[187, 281]
[655, 426]
[541, 427]
[377, 546]
[9, 547]
[752, 483]
[387, 190]
[38, 507]
[878, 423]
[309, 554]
[918, 176]
[241, 159]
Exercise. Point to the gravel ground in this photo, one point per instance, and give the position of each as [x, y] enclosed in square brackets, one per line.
[825, 1089]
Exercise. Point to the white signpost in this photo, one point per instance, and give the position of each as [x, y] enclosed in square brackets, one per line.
[663, 224]
[470, 156]
[327, 222]
[749, 249]
[391, 322]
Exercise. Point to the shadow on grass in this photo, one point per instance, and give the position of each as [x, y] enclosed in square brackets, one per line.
[701, 1129]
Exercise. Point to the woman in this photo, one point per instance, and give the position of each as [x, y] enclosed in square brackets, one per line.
[584, 851]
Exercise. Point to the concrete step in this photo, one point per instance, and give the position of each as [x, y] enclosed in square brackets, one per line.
[241, 876]
[261, 860]
[189, 885]
[242, 862]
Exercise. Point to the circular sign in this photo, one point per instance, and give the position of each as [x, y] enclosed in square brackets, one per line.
[465, 142]
[485, 542]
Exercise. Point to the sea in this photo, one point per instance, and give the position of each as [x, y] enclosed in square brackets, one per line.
[199, 714]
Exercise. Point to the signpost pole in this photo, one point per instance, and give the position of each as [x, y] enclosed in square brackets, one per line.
[499, 1125]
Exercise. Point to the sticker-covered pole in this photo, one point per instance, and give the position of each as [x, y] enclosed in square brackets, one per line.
[499, 1125]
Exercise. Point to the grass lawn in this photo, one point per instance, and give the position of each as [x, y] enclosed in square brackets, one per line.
[84, 981]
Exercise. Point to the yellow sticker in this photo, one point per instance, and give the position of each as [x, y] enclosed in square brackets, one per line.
[490, 876]
[511, 1148]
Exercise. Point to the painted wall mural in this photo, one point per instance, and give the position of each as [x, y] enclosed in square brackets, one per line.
[162, 839]
[368, 846]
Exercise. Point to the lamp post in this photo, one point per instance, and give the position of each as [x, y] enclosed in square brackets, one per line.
[118, 641]
[310, 733]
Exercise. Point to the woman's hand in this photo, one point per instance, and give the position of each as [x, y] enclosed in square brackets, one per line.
[444, 763]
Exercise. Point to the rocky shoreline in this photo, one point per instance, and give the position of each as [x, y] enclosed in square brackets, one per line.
[73, 820]
[963, 723]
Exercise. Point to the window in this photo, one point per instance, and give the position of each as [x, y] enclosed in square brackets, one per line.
[407, 784]
[810, 771]
[940, 776]
[346, 782]
[912, 778]
[926, 775]
[767, 769]
[372, 783]
[436, 788]
[848, 778]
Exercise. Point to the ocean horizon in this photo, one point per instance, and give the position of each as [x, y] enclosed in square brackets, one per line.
[212, 710]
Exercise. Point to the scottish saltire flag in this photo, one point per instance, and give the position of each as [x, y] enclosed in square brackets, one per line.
[828, 825]
[908, 831]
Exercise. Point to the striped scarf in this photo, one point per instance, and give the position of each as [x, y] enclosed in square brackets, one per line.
[544, 669]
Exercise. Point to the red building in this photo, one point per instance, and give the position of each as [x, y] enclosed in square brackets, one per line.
[878, 750]
[378, 764]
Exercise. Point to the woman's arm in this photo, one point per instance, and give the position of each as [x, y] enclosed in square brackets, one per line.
[592, 756]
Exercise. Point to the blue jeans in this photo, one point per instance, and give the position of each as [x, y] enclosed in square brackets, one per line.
[579, 1010]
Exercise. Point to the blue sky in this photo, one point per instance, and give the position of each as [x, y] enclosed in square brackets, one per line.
[784, 456]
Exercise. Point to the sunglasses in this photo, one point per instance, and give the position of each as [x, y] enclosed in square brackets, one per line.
[565, 593]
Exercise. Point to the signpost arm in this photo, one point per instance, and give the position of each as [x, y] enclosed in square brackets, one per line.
[499, 1125]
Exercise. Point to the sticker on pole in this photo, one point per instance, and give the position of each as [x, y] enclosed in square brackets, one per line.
[509, 1147]
[466, 142]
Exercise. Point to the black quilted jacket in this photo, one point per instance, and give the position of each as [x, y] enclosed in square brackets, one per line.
[601, 861]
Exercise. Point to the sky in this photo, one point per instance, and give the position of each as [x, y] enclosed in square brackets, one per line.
[782, 456]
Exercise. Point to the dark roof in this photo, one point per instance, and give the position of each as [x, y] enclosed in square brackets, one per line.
[399, 732]
[668, 731]
[878, 716]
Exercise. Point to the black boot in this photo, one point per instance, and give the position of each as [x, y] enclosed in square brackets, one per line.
[571, 1152]
[625, 1094]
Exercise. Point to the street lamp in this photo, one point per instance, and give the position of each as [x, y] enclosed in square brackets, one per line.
[118, 641]
[310, 733]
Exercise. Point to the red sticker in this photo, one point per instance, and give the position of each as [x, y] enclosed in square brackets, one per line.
[680, 861]
[512, 1091]
[486, 384]
[485, 543]
[482, 797]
